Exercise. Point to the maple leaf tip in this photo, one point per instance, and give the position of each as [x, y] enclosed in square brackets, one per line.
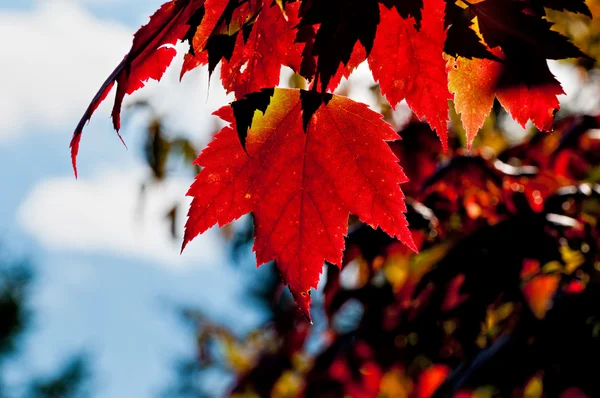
[74, 163]
[413, 247]
[307, 316]
[410, 242]
[469, 146]
[183, 245]
[443, 137]
[74, 146]
[303, 301]
[122, 140]
[304, 307]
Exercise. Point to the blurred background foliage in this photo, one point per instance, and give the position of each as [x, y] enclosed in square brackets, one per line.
[583, 31]
[72, 380]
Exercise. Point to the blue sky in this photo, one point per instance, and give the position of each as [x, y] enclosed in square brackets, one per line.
[107, 282]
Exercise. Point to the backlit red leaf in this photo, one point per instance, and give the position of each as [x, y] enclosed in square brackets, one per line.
[301, 186]
[409, 64]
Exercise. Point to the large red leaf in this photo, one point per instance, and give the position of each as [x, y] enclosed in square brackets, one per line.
[151, 53]
[301, 186]
[256, 62]
[409, 64]
[472, 82]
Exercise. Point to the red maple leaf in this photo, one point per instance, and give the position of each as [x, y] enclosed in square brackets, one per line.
[409, 64]
[301, 186]
[151, 53]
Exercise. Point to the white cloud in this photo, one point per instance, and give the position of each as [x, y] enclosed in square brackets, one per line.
[53, 59]
[58, 56]
[103, 215]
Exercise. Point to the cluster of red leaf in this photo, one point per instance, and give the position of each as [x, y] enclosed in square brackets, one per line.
[308, 158]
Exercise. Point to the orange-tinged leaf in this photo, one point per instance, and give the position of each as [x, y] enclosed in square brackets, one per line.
[539, 292]
[395, 383]
[301, 186]
[431, 379]
[409, 64]
[472, 82]
[530, 268]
